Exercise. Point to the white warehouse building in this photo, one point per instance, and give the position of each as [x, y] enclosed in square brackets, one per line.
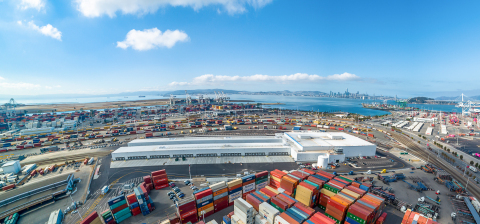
[301, 146]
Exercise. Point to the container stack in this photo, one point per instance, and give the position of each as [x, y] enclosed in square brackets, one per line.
[325, 174]
[319, 218]
[93, 218]
[108, 217]
[243, 212]
[144, 202]
[288, 184]
[261, 180]
[220, 196]
[159, 179]
[325, 195]
[148, 182]
[204, 200]
[234, 190]
[337, 207]
[187, 210]
[133, 204]
[119, 208]
[268, 212]
[248, 183]
[279, 204]
[275, 178]
[415, 217]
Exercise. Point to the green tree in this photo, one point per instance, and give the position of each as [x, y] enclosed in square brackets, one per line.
[471, 163]
[476, 165]
[461, 157]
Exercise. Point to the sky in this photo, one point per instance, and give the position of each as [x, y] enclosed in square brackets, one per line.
[405, 48]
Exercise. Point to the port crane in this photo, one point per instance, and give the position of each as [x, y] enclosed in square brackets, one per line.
[221, 97]
[188, 99]
[172, 100]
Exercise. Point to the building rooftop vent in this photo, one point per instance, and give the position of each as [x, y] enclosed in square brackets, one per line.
[305, 137]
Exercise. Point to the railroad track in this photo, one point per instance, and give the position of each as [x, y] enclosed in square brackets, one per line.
[432, 158]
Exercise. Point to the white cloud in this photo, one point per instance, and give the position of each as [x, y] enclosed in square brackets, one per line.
[47, 30]
[96, 8]
[34, 4]
[152, 38]
[209, 79]
[19, 22]
[1, 78]
[18, 86]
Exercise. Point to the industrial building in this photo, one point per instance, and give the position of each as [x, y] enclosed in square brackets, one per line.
[301, 146]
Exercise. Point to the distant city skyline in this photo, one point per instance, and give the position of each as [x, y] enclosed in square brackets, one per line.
[406, 48]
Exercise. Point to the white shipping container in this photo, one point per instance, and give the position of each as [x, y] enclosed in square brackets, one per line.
[260, 220]
[249, 187]
[248, 219]
[280, 220]
[268, 212]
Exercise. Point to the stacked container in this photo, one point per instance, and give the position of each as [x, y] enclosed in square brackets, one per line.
[243, 212]
[220, 196]
[144, 201]
[275, 178]
[268, 212]
[187, 210]
[319, 218]
[119, 208]
[261, 180]
[288, 184]
[325, 195]
[248, 183]
[234, 190]
[415, 217]
[108, 217]
[159, 179]
[278, 203]
[204, 200]
[337, 207]
[133, 204]
[93, 218]
[148, 182]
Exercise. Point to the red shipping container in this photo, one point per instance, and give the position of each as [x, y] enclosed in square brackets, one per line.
[253, 201]
[158, 187]
[8, 187]
[308, 171]
[136, 211]
[149, 187]
[283, 205]
[220, 200]
[267, 192]
[119, 208]
[323, 218]
[187, 206]
[90, 218]
[209, 213]
[221, 206]
[286, 199]
[326, 174]
[304, 208]
[147, 179]
[188, 213]
[261, 174]
[131, 198]
[192, 218]
[160, 181]
[335, 213]
[203, 194]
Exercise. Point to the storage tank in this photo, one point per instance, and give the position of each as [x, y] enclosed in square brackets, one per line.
[322, 161]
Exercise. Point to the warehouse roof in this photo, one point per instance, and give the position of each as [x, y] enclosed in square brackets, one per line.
[322, 139]
[157, 148]
[206, 140]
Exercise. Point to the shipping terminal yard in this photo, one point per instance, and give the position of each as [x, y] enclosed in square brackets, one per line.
[216, 161]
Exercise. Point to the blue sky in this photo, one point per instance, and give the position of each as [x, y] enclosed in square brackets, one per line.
[407, 48]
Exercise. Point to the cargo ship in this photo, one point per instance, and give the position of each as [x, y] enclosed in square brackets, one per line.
[141, 96]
